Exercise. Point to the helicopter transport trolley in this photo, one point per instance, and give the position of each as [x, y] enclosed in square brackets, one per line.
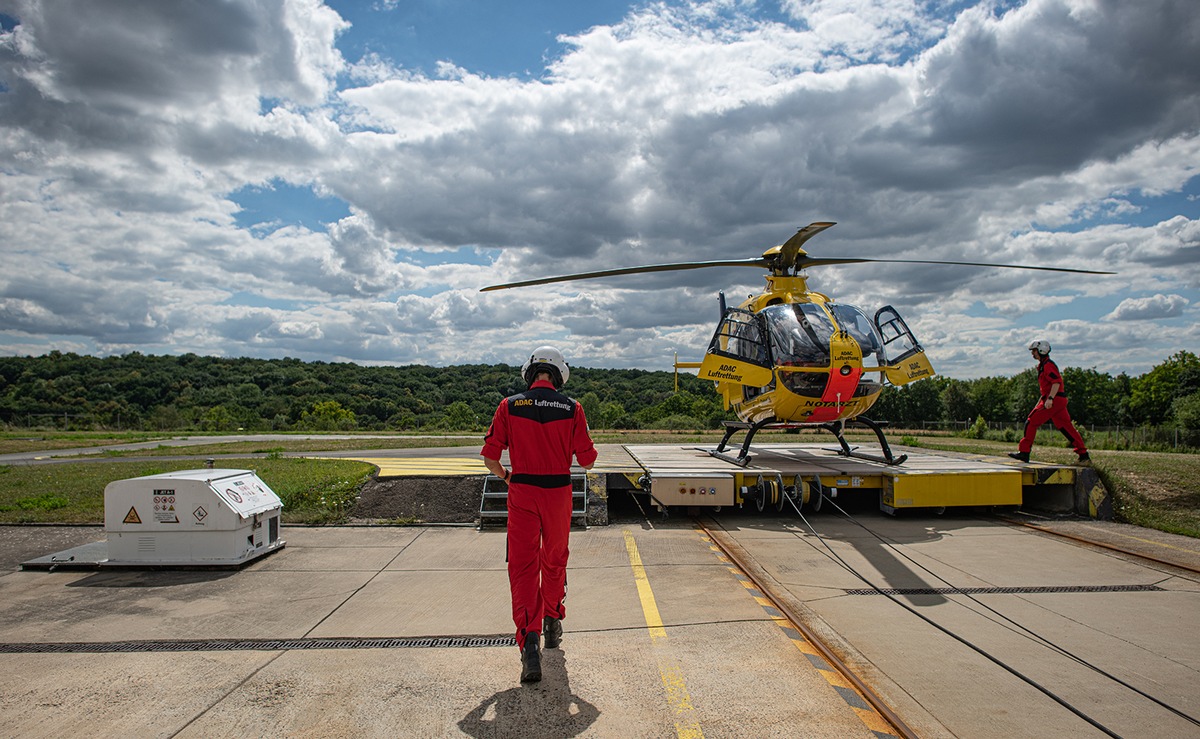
[804, 475]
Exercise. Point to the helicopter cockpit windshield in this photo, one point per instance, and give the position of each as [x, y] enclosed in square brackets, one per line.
[799, 334]
[800, 338]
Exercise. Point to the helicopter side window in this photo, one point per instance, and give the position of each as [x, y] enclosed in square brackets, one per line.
[799, 334]
[740, 336]
[854, 322]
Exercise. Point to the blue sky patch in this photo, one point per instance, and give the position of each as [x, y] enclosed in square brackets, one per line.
[282, 204]
[979, 310]
[461, 255]
[1159, 208]
[1148, 210]
[501, 40]
[254, 300]
[1081, 308]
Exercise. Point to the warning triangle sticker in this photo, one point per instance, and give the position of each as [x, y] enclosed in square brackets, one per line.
[132, 516]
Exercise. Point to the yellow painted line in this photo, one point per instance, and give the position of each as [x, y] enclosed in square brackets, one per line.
[678, 698]
[404, 466]
[645, 594]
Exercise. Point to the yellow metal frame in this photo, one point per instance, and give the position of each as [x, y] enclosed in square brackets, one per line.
[947, 489]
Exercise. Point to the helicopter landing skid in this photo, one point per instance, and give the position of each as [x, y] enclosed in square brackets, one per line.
[743, 457]
[731, 428]
[888, 458]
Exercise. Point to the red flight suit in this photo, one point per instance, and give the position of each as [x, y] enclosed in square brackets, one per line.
[542, 429]
[1048, 375]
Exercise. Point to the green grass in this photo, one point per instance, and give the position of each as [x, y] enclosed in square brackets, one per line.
[314, 491]
[1154, 490]
[44, 502]
[14, 442]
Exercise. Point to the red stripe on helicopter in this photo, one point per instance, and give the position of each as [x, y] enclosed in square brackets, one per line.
[838, 392]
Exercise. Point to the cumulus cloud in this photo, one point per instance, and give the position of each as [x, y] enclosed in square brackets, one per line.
[1143, 309]
[1051, 132]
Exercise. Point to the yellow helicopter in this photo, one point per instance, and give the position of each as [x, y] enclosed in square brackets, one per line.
[792, 357]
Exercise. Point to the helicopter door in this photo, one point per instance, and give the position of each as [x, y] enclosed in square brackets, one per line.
[907, 359]
[738, 351]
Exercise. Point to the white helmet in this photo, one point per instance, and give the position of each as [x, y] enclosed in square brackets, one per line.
[1041, 347]
[546, 359]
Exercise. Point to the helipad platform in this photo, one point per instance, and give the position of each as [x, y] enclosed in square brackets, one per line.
[688, 476]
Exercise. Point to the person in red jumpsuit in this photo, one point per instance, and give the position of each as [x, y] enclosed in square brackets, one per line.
[542, 429]
[1051, 407]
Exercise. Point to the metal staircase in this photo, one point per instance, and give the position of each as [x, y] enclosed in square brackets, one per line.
[493, 506]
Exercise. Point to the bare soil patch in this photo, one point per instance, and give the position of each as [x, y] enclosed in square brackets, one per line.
[422, 499]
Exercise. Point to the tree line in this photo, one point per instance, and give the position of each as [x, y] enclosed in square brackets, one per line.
[191, 392]
[1167, 395]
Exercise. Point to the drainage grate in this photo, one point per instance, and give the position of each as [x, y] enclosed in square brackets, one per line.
[1031, 589]
[267, 645]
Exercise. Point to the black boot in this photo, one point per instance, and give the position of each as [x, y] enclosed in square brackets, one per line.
[552, 632]
[531, 660]
[1085, 457]
[1019, 456]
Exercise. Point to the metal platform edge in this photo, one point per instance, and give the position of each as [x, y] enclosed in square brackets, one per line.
[94, 556]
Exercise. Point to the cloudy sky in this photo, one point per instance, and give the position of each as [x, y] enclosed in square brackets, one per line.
[337, 180]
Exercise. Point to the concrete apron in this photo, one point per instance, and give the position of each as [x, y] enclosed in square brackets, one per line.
[1147, 637]
[662, 639]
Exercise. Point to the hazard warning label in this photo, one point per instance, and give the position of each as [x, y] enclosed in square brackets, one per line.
[132, 516]
[164, 507]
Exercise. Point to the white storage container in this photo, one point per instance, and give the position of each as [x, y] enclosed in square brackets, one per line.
[192, 517]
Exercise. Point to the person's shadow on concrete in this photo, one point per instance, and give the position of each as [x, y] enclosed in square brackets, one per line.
[533, 710]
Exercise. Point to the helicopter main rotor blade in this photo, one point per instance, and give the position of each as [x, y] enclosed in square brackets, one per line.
[753, 262]
[798, 262]
[804, 262]
[792, 247]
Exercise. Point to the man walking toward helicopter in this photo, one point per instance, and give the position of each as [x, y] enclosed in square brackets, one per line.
[542, 429]
[1051, 407]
